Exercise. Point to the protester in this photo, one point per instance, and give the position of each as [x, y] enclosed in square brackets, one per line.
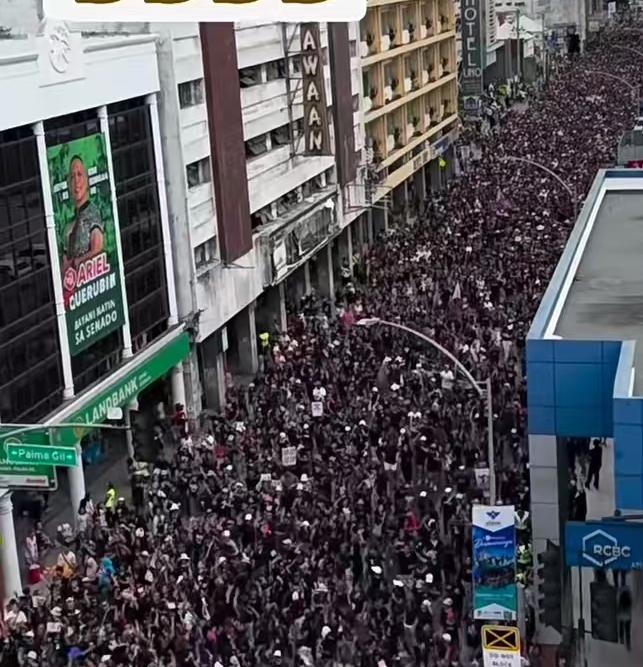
[324, 518]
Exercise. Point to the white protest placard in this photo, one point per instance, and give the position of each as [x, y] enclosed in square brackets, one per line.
[317, 408]
[289, 456]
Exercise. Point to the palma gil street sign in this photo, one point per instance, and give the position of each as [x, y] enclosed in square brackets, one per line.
[25, 454]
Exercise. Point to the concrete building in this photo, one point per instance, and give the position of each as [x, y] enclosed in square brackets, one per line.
[252, 236]
[410, 104]
[89, 319]
[583, 367]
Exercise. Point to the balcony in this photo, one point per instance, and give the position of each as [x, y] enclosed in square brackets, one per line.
[402, 100]
[399, 49]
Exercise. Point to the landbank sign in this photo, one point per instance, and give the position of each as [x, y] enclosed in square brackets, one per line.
[617, 545]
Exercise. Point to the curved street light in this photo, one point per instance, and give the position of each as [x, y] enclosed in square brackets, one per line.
[571, 190]
[482, 388]
[633, 87]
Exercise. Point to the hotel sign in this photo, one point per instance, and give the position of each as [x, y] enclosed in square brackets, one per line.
[316, 131]
[473, 50]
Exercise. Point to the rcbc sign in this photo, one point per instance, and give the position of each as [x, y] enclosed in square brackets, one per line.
[617, 545]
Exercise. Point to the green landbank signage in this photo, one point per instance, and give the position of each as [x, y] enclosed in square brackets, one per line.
[120, 393]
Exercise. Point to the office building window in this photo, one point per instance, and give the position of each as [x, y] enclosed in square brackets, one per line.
[30, 366]
[276, 69]
[191, 93]
[205, 253]
[198, 172]
[140, 220]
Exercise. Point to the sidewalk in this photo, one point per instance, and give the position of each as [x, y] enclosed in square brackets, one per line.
[605, 654]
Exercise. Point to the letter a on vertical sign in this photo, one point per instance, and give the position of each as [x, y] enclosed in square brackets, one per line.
[194, 11]
[316, 132]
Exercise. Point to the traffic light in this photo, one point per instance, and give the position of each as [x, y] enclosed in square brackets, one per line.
[550, 587]
[603, 598]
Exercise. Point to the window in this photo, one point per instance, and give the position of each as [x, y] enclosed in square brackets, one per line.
[280, 136]
[276, 69]
[191, 93]
[250, 76]
[256, 146]
[30, 366]
[205, 253]
[140, 220]
[262, 216]
[199, 172]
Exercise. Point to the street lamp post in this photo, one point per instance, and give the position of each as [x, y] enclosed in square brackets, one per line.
[633, 87]
[482, 388]
[571, 190]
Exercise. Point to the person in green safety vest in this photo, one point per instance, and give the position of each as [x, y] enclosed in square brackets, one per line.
[264, 340]
[110, 498]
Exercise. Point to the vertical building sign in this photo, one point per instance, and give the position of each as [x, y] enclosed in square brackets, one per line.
[316, 131]
[494, 563]
[84, 219]
[473, 48]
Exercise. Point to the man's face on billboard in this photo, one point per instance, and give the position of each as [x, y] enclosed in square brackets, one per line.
[78, 182]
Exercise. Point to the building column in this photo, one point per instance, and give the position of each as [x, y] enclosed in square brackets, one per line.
[420, 186]
[545, 510]
[214, 383]
[178, 385]
[76, 477]
[307, 285]
[152, 102]
[245, 332]
[326, 286]
[369, 223]
[283, 313]
[129, 438]
[8, 549]
[349, 243]
[379, 221]
[54, 261]
[127, 336]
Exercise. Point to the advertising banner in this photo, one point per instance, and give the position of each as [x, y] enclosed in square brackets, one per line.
[494, 563]
[84, 219]
[473, 48]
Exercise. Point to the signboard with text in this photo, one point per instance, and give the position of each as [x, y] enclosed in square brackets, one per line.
[87, 244]
[27, 475]
[316, 130]
[494, 563]
[617, 545]
[473, 48]
[194, 11]
[500, 646]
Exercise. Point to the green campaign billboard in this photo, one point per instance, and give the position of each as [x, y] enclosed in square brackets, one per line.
[86, 234]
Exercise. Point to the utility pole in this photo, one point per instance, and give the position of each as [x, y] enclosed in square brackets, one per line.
[518, 47]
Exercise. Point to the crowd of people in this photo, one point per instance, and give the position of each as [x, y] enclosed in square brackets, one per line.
[324, 518]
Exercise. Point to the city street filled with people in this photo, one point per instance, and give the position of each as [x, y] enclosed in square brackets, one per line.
[324, 519]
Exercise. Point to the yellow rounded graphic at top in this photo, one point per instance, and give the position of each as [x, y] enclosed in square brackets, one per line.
[177, 11]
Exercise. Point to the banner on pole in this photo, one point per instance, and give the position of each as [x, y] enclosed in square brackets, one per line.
[494, 563]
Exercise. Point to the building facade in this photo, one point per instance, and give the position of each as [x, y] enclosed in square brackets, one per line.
[410, 103]
[88, 309]
[256, 222]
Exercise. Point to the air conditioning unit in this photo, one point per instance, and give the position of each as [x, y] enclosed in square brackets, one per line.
[385, 43]
[410, 130]
[390, 143]
[425, 77]
[423, 32]
[363, 49]
[388, 93]
[368, 104]
[406, 37]
[427, 120]
[408, 84]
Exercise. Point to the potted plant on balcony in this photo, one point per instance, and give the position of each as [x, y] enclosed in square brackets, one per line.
[391, 36]
[445, 64]
[431, 72]
[415, 83]
[411, 29]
